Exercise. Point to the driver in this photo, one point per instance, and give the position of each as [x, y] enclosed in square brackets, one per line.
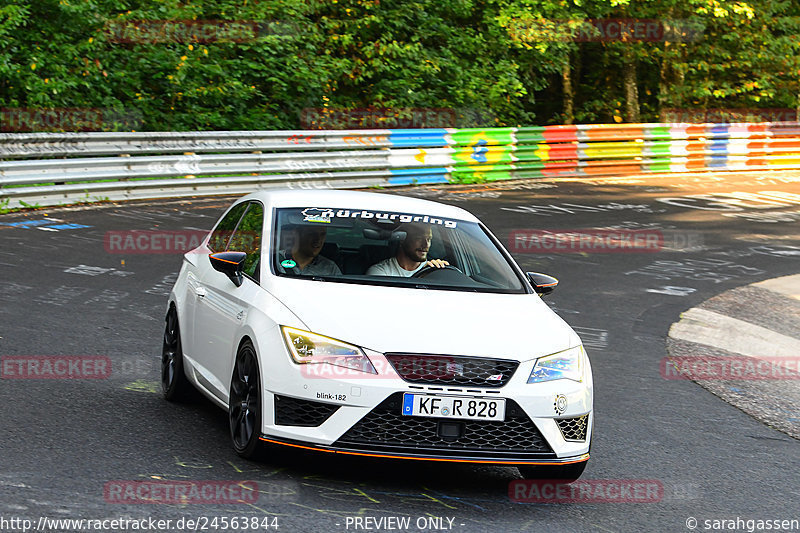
[411, 256]
[304, 257]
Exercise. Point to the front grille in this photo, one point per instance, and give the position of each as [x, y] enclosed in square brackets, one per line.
[573, 429]
[385, 429]
[453, 369]
[296, 412]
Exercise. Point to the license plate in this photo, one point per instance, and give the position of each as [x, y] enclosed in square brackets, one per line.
[460, 407]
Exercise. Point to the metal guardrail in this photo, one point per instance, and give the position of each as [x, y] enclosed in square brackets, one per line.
[55, 168]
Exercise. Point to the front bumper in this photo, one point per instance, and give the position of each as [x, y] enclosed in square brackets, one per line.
[360, 415]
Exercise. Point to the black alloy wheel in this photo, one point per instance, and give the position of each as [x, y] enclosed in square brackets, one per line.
[244, 403]
[174, 384]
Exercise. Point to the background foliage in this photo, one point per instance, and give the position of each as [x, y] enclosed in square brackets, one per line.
[482, 56]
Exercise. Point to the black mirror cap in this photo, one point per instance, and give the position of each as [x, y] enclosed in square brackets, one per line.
[542, 283]
[230, 264]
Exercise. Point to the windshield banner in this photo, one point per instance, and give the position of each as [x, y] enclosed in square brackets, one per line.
[327, 215]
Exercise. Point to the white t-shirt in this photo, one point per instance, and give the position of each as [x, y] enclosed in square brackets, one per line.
[390, 267]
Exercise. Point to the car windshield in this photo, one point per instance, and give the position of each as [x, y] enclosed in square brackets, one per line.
[389, 248]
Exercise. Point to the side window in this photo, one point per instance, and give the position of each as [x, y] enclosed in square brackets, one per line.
[222, 233]
[247, 238]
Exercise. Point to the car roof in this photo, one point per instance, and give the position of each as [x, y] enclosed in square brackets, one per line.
[371, 201]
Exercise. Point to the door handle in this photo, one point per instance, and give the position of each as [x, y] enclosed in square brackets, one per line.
[200, 292]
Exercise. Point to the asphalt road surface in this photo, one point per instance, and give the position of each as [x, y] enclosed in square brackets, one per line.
[65, 443]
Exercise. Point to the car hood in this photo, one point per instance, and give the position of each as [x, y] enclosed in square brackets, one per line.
[393, 319]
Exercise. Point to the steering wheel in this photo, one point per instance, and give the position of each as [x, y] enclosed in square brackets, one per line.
[423, 272]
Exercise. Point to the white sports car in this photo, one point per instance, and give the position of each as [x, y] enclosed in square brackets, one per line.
[377, 325]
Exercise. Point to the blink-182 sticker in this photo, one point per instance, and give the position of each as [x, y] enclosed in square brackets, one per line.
[326, 215]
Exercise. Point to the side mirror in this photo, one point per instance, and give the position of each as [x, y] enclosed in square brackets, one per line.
[542, 283]
[230, 264]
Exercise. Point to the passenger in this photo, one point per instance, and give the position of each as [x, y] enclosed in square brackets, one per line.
[411, 256]
[304, 258]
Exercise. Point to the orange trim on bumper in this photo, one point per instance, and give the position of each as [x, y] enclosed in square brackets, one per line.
[582, 458]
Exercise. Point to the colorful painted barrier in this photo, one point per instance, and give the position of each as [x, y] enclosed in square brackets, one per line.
[52, 168]
[610, 149]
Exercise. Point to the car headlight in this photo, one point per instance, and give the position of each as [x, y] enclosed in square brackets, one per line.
[562, 365]
[310, 348]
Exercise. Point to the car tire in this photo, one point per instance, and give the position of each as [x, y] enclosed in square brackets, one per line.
[244, 403]
[561, 473]
[174, 384]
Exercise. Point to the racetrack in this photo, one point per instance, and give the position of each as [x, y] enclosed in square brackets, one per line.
[63, 292]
